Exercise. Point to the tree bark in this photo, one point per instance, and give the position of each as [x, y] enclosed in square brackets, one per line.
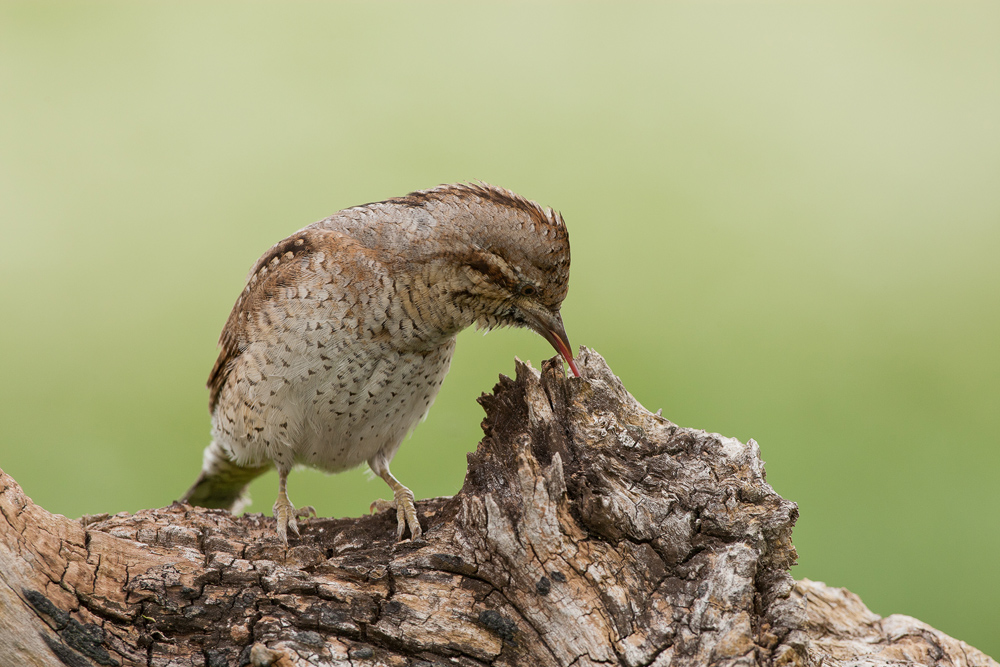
[589, 531]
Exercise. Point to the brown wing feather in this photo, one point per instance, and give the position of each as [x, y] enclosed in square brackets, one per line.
[276, 268]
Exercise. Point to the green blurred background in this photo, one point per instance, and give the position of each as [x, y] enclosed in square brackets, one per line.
[785, 221]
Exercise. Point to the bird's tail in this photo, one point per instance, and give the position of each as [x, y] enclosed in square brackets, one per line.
[222, 484]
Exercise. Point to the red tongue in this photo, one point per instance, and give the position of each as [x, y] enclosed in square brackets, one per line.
[566, 354]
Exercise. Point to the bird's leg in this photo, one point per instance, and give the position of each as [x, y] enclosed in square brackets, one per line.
[406, 510]
[284, 512]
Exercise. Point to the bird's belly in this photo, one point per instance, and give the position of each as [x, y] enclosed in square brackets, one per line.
[351, 413]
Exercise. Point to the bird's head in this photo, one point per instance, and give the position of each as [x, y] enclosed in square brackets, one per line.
[516, 266]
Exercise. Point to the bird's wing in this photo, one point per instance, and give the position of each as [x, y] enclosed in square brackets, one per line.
[281, 267]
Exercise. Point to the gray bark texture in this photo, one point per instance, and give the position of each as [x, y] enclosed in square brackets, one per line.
[589, 531]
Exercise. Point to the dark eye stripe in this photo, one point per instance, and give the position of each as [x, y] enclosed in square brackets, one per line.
[492, 273]
[480, 266]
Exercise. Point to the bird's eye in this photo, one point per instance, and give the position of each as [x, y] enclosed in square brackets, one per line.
[528, 290]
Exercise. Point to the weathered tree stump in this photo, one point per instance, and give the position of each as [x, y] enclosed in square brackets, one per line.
[589, 531]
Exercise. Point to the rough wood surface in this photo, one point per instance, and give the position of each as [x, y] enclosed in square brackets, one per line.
[589, 531]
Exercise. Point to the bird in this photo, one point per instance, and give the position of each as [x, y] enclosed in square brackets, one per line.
[344, 332]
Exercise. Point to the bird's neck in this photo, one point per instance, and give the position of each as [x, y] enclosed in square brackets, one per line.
[425, 307]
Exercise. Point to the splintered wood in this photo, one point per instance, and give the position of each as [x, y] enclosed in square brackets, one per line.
[589, 531]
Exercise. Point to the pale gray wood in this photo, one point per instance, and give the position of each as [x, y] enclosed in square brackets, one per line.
[589, 531]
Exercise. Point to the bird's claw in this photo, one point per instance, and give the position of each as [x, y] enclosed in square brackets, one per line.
[381, 505]
[406, 512]
[287, 517]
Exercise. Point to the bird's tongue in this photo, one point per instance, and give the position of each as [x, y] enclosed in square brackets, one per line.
[563, 349]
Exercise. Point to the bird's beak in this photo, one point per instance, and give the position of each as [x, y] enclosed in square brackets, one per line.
[550, 327]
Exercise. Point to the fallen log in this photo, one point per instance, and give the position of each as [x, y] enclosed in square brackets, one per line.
[588, 531]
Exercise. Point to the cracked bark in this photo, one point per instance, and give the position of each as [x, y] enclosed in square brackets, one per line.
[589, 531]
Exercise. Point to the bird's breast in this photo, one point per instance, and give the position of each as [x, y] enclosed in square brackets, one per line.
[365, 403]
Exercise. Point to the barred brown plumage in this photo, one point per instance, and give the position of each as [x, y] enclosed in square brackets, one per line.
[345, 330]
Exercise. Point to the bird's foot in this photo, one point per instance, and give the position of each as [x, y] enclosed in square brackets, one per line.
[406, 511]
[287, 516]
[381, 505]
